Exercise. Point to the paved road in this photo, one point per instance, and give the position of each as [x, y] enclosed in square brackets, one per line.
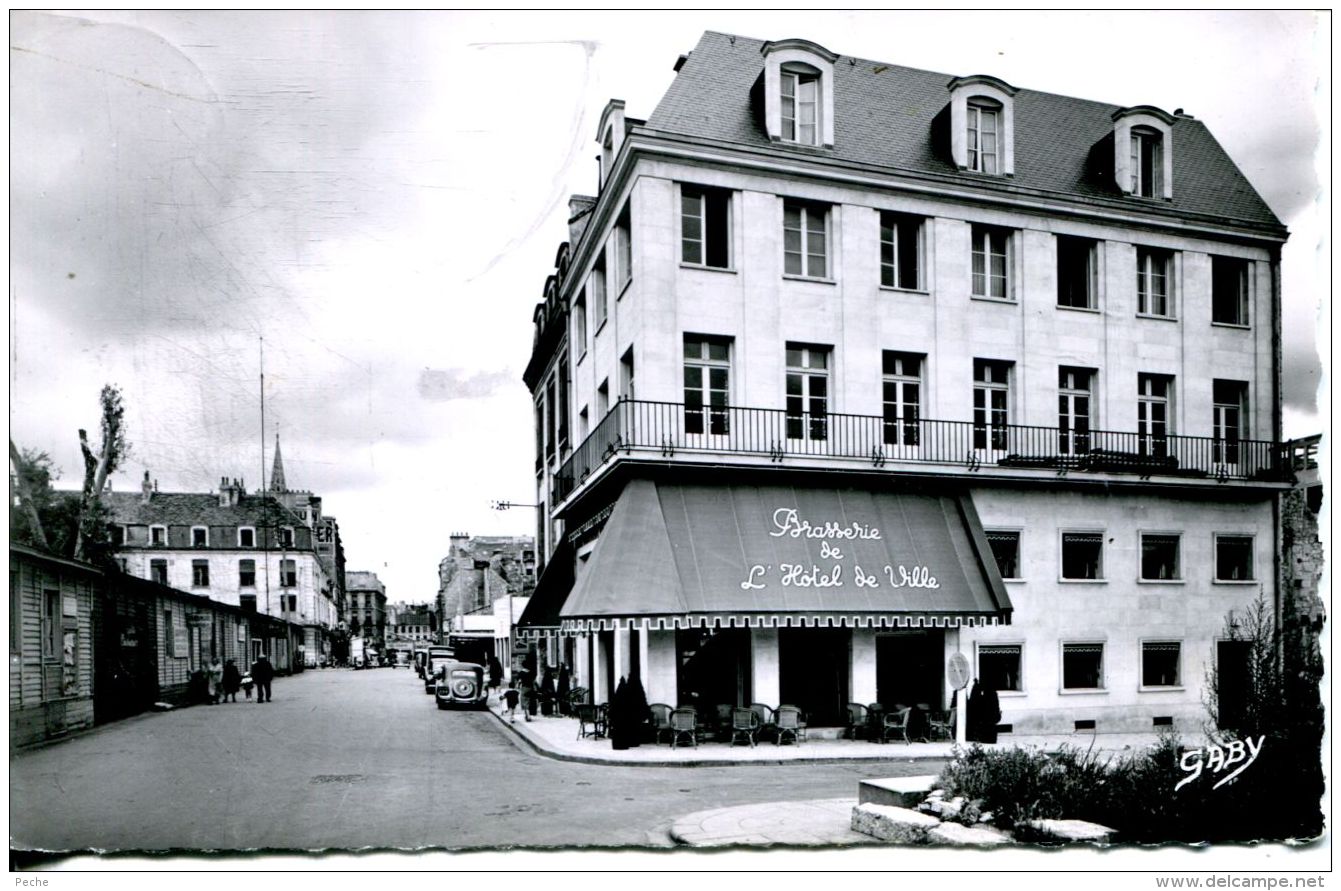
[345, 760]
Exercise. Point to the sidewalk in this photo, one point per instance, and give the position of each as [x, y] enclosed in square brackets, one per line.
[557, 738]
[823, 822]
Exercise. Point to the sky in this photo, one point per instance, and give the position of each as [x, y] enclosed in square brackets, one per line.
[369, 204]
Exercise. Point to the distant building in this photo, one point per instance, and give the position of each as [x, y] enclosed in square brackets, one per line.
[367, 607]
[410, 623]
[479, 570]
[270, 552]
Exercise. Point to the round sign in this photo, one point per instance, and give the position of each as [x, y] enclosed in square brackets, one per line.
[958, 670]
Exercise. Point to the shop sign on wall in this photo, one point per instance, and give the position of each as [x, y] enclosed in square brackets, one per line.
[832, 536]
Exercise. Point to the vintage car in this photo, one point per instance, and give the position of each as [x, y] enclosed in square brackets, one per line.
[436, 656]
[462, 683]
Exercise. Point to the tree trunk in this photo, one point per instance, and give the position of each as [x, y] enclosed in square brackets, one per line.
[26, 497]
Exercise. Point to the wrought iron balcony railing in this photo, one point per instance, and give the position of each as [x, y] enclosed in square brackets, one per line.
[666, 428]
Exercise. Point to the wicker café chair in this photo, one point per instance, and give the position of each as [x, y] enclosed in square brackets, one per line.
[661, 713]
[743, 723]
[788, 719]
[764, 713]
[590, 721]
[944, 728]
[684, 722]
[896, 725]
[857, 718]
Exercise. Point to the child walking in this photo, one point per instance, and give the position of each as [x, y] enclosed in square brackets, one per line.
[510, 697]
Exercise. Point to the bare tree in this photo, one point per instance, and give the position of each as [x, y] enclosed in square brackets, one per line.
[97, 467]
[23, 471]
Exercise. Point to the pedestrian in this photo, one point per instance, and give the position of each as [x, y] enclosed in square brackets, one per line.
[564, 689]
[495, 673]
[247, 684]
[232, 679]
[214, 674]
[510, 696]
[263, 673]
[547, 693]
[528, 696]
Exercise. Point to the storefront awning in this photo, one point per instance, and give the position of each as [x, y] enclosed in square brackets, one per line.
[542, 610]
[689, 556]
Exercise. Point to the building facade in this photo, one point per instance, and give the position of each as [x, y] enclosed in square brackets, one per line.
[367, 607]
[850, 367]
[260, 551]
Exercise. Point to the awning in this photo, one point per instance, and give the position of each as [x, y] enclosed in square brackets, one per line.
[704, 556]
[542, 610]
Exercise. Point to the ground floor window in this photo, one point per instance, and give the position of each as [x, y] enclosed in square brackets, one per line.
[1159, 663]
[1082, 666]
[999, 666]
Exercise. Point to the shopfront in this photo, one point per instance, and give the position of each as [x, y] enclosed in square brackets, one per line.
[808, 596]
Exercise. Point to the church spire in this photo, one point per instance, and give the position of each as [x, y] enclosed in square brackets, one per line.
[277, 472]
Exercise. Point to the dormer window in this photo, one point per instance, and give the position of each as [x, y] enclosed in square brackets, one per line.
[1146, 163]
[982, 124]
[1143, 152]
[984, 129]
[798, 92]
[246, 537]
[158, 535]
[200, 537]
[286, 536]
[800, 104]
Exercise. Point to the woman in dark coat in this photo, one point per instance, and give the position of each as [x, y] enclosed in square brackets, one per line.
[547, 693]
[232, 680]
[565, 687]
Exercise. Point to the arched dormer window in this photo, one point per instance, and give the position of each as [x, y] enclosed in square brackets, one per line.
[798, 92]
[1143, 151]
[561, 261]
[610, 134]
[982, 124]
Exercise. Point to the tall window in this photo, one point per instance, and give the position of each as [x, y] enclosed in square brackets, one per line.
[707, 384]
[1153, 416]
[1229, 291]
[1147, 163]
[561, 406]
[1076, 270]
[549, 418]
[900, 250]
[626, 369]
[999, 666]
[200, 573]
[1082, 556]
[1234, 558]
[984, 127]
[1159, 663]
[1073, 409]
[169, 635]
[705, 226]
[807, 392]
[1231, 401]
[51, 623]
[246, 573]
[580, 323]
[800, 104]
[603, 399]
[158, 571]
[1159, 558]
[902, 396]
[596, 287]
[1005, 547]
[1083, 666]
[1154, 293]
[990, 271]
[991, 400]
[288, 573]
[623, 251]
[805, 239]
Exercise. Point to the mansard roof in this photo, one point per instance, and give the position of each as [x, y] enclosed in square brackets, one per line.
[195, 509]
[892, 117]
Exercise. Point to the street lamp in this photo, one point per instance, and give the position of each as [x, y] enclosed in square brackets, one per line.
[508, 505]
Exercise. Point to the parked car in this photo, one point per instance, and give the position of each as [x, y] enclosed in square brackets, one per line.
[461, 683]
[436, 656]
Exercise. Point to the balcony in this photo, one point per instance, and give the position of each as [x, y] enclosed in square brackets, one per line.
[669, 430]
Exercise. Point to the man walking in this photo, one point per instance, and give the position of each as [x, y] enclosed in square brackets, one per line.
[262, 673]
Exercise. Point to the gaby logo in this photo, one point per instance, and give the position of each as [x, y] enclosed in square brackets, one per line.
[1220, 758]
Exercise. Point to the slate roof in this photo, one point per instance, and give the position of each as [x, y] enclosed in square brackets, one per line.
[884, 118]
[192, 509]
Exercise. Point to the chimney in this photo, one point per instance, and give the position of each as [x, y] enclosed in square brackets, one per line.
[146, 489]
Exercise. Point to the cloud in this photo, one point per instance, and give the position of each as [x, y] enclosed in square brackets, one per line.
[444, 386]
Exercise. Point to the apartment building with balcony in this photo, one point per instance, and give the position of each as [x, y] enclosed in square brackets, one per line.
[849, 367]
